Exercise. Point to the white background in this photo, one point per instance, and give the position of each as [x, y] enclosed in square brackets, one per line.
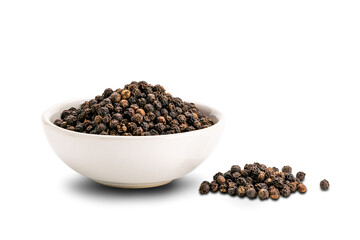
[284, 73]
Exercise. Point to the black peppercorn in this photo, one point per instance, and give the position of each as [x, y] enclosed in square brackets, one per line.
[251, 193]
[223, 188]
[301, 176]
[285, 191]
[286, 169]
[274, 194]
[220, 179]
[324, 184]
[204, 187]
[232, 190]
[263, 194]
[235, 168]
[301, 188]
[240, 191]
[214, 186]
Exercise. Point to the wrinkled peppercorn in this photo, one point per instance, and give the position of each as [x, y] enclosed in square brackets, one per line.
[204, 187]
[235, 168]
[240, 191]
[220, 179]
[301, 188]
[154, 111]
[287, 169]
[232, 190]
[274, 194]
[263, 194]
[300, 176]
[285, 191]
[223, 188]
[324, 184]
[251, 193]
[214, 186]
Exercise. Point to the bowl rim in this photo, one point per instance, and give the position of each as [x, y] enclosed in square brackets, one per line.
[50, 111]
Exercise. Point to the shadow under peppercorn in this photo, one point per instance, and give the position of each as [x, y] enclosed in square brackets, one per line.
[85, 186]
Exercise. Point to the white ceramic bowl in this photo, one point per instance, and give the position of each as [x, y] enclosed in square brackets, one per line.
[131, 161]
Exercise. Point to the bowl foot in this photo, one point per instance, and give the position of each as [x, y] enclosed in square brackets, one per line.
[132, 185]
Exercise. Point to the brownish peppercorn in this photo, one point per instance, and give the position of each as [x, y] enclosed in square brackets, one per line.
[137, 118]
[125, 94]
[240, 191]
[263, 194]
[223, 188]
[274, 194]
[287, 169]
[204, 187]
[235, 168]
[220, 179]
[261, 176]
[324, 184]
[300, 176]
[285, 191]
[214, 187]
[141, 111]
[293, 186]
[301, 188]
[217, 174]
[115, 97]
[232, 190]
[269, 172]
[235, 175]
[268, 181]
[251, 193]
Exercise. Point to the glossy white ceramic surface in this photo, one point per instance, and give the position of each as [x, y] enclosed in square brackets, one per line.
[131, 161]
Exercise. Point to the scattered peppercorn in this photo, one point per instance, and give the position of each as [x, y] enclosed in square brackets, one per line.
[204, 187]
[257, 180]
[139, 109]
[324, 184]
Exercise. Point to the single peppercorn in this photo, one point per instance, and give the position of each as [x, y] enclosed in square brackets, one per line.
[235, 175]
[216, 175]
[220, 179]
[300, 176]
[251, 193]
[223, 188]
[301, 188]
[263, 194]
[228, 175]
[125, 94]
[204, 187]
[214, 187]
[235, 168]
[285, 191]
[274, 194]
[293, 186]
[232, 190]
[324, 184]
[240, 191]
[287, 169]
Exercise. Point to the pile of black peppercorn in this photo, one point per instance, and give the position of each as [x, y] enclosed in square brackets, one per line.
[256, 180]
[139, 109]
